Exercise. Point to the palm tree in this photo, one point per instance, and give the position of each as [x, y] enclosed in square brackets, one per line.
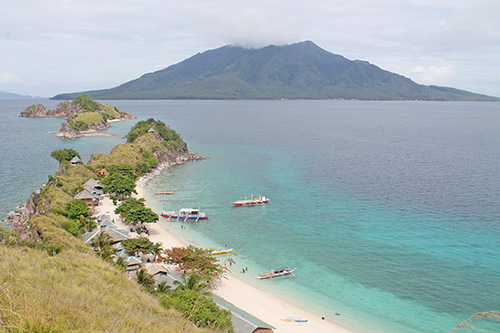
[102, 246]
[163, 288]
[156, 250]
[193, 282]
[87, 224]
[145, 279]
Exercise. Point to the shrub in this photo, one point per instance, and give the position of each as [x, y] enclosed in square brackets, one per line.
[201, 310]
[76, 208]
[64, 154]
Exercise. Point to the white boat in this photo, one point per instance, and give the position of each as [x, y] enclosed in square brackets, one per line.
[250, 201]
[185, 215]
[282, 272]
[295, 320]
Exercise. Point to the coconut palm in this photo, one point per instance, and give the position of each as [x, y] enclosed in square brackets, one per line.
[163, 288]
[87, 224]
[102, 246]
[156, 250]
[193, 282]
[145, 279]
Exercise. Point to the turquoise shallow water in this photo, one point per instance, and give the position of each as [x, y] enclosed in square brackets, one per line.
[389, 210]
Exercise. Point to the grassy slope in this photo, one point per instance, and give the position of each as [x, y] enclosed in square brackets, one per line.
[74, 291]
[89, 118]
[60, 285]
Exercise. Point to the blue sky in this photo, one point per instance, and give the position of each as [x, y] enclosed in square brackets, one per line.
[55, 46]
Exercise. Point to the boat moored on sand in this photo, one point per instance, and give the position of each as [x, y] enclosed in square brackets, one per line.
[282, 272]
[185, 215]
[250, 201]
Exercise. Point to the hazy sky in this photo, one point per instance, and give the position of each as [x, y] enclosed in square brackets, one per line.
[53, 46]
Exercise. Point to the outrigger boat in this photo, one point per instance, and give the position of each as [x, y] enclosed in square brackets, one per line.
[249, 201]
[222, 251]
[185, 215]
[164, 193]
[295, 320]
[277, 273]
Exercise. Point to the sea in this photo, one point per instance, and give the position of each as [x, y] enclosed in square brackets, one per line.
[388, 210]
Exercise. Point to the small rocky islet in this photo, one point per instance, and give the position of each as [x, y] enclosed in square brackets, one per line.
[84, 116]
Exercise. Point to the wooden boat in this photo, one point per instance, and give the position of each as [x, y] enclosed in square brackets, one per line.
[250, 201]
[164, 193]
[282, 272]
[222, 251]
[185, 215]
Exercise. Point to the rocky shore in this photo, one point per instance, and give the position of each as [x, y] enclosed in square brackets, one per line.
[68, 132]
[40, 111]
[17, 220]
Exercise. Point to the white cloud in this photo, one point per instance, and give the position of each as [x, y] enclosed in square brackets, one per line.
[251, 28]
[9, 78]
[432, 74]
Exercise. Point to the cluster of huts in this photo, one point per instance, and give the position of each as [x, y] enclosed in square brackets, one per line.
[117, 236]
[92, 193]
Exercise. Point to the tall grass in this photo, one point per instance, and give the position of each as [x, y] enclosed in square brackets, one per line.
[74, 291]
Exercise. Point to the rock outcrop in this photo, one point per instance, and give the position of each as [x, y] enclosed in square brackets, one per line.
[17, 220]
[40, 111]
[67, 132]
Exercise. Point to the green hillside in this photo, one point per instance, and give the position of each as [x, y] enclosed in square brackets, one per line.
[51, 281]
[298, 71]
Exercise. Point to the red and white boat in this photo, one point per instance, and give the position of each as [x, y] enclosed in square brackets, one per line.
[164, 193]
[250, 201]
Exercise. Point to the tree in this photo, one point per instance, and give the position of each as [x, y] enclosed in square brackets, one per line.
[120, 184]
[76, 208]
[138, 245]
[102, 246]
[193, 282]
[156, 250]
[65, 154]
[195, 260]
[128, 205]
[87, 103]
[163, 288]
[121, 263]
[86, 224]
[141, 215]
[145, 279]
[123, 169]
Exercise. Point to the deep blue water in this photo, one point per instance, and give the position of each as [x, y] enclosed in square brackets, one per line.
[389, 210]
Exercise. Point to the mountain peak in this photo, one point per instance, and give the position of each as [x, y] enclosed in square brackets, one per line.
[301, 70]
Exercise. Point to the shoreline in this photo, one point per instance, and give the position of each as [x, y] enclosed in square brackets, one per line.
[257, 302]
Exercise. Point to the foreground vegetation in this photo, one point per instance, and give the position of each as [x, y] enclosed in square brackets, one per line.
[51, 281]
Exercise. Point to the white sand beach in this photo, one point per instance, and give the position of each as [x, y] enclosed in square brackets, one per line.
[258, 303]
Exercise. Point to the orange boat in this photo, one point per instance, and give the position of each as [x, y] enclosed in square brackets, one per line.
[164, 193]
